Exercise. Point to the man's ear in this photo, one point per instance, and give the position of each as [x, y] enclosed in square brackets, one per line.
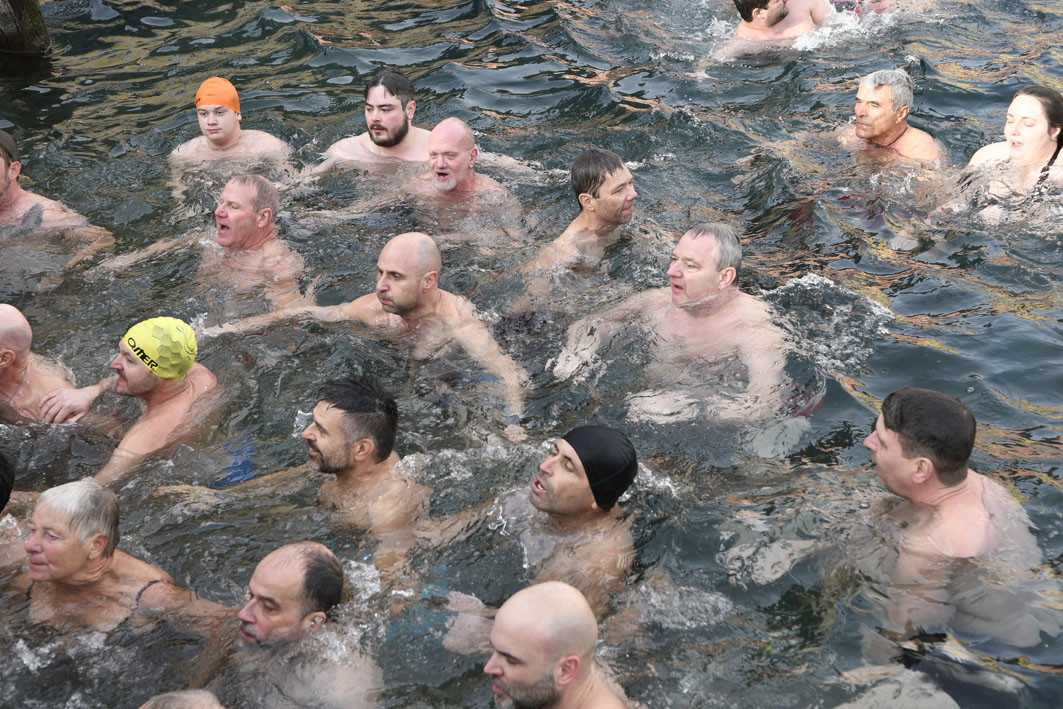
[411, 108]
[586, 201]
[924, 469]
[727, 277]
[903, 113]
[567, 670]
[363, 448]
[264, 217]
[313, 620]
[430, 280]
[7, 356]
[472, 156]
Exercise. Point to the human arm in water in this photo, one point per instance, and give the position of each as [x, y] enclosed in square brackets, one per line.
[592, 333]
[473, 336]
[357, 310]
[69, 404]
[134, 257]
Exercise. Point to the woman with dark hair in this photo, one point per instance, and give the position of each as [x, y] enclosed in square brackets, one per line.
[1033, 135]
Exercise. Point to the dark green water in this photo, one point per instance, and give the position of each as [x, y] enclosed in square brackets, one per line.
[971, 309]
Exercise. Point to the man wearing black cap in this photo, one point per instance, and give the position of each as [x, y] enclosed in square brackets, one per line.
[578, 534]
[24, 214]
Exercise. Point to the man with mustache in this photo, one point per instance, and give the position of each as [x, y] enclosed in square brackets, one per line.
[452, 177]
[389, 109]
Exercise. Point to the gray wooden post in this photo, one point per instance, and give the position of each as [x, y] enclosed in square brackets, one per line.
[22, 30]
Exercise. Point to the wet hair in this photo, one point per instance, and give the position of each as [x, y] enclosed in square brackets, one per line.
[7, 481]
[265, 196]
[728, 245]
[1052, 106]
[8, 149]
[369, 411]
[184, 699]
[397, 85]
[590, 168]
[746, 8]
[89, 508]
[322, 578]
[932, 425]
[900, 84]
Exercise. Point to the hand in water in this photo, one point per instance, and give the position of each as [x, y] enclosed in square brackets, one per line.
[66, 405]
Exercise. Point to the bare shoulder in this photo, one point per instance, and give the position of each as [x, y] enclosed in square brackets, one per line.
[995, 152]
[347, 149]
[189, 151]
[201, 378]
[457, 309]
[261, 144]
[140, 572]
[280, 260]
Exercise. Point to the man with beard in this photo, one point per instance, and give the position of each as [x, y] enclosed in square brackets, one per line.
[24, 215]
[543, 643]
[408, 307]
[290, 595]
[244, 256]
[452, 178]
[777, 21]
[883, 101]
[155, 363]
[699, 326]
[389, 108]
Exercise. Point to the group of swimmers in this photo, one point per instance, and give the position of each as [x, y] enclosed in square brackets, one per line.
[542, 640]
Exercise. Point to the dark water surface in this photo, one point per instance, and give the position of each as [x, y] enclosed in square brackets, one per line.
[875, 295]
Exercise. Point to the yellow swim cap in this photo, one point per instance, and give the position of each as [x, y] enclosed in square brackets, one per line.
[166, 346]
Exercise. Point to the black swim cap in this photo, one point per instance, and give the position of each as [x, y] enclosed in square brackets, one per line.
[608, 458]
[9, 145]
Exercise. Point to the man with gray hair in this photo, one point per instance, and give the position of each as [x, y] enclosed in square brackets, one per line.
[74, 577]
[698, 326]
[258, 268]
[883, 102]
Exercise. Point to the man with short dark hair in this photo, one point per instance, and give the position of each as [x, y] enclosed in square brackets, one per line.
[944, 511]
[27, 215]
[776, 21]
[543, 644]
[699, 325]
[389, 109]
[245, 256]
[605, 192]
[883, 102]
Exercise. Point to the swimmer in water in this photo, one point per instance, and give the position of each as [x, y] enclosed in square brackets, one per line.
[700, 319]
[245, 255]
[76, 579]
[292, 594]
[25, 378]
[452, 177]
[605, 191]
[24, 214]
[944, 511]
[218, 111]
[542, 652]
[883, 102]
[1033, 136]
[155, 363]
[409, 307]
[389, 109]
[577, 532]
[774, 22]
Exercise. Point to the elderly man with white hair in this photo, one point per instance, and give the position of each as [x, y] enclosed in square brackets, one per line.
[74, 576]
[883, 102]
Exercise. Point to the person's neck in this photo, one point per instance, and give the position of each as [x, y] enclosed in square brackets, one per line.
[167, 390]
[942, 497]
[710, 306]
[12, 379]
[425, 308]
[1040, 161]
[889, 139]
[94, 573]
[14, 194]
[231, 143]
[588, 223]
[366, 474]
[260, 240]
[578, 522]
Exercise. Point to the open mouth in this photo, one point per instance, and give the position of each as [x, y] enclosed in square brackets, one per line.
[537, 487]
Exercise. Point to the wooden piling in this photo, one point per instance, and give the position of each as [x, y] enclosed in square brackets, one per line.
[22, 30]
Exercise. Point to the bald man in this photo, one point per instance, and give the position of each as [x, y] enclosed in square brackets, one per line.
[451, 177]
[409, 307]
[542, 655]
[25, 378]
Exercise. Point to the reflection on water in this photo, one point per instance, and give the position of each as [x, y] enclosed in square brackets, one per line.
[739, 601]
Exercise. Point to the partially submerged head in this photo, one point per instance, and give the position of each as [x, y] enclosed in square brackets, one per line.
[542, 641]
[589, 468]
[246, 212]
[355, 420]
[451, 155]
[919, 435]
[72, 525]
[389, 107]
[292, 588]
[705, 263]
[218, 111]
[604, 186]
[162, 348]
[407, 272]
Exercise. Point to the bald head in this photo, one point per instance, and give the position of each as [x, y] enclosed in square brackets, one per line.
[15, 332]
[452, 131]
[555, 618]
[420, 248]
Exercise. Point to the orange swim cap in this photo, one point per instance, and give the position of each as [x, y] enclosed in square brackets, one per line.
[217, 91]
